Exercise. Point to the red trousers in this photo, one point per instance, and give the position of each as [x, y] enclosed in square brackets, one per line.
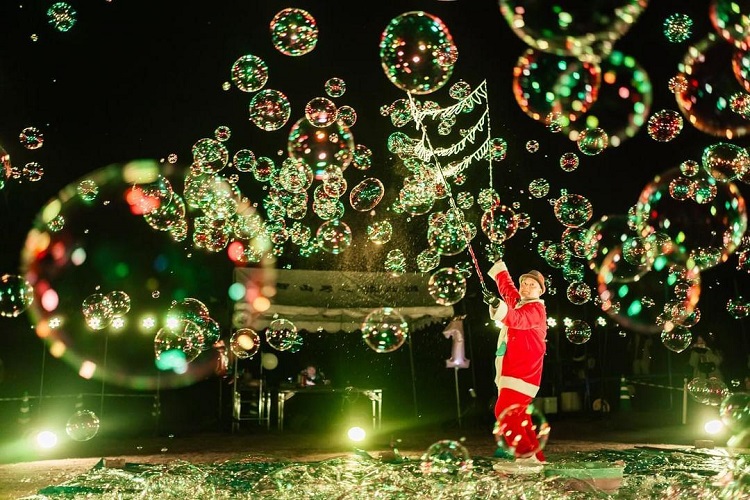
[520, 425]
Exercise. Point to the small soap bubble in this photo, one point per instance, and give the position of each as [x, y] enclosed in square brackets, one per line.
[678, 27]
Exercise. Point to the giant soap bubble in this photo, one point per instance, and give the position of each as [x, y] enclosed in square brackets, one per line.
[709, 232]
[135, 266]
[587, 30]
[707, 67]
[417, 52]
[623, 102]
[645, 301]
[545, 84]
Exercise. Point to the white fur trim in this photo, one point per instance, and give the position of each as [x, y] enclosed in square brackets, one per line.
[496, 268]
[500, 312]
[519, 385]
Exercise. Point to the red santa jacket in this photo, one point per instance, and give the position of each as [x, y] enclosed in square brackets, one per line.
[524, 331]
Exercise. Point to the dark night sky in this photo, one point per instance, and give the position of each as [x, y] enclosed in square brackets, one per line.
[141, 79]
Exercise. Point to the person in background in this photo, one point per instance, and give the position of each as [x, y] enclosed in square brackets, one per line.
[310, 376]
[521, 343]
[704, 360]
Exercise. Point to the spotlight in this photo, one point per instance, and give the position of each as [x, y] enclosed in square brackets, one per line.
[356, 434]
[713, 426]
[46, 439]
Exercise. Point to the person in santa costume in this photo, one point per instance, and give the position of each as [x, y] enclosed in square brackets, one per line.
[520, 346]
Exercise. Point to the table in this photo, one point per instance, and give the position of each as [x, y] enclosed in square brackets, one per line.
[374, 395]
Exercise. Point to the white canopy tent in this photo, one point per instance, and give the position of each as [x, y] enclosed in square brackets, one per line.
[333, 301]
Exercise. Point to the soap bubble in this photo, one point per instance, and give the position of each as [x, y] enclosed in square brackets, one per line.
[623, 102]
[725, 161]
[320, 111]
[380, 232]
[446, 457]
[678, 27]
[539, 188]
[244, 160]
[676, 338]
[708, 67]
[97, 311]
[269, 110]
[521, 430]
[366, 195]
[281, 334]
[709, 391]
[427, 260]
[334, 236]
[181, 338]
[384, 330]
[664, 125]
[321, 147]
[347, 115]
[120, 302]
[448, 232]
[545, 84]
[82, 425]
[446, 286]
[570, 27]
[592, 141]
[636, 296]
[295, 175]
[31, 138]
[87, 190]
[244, 343]
[696, 226]
[569, 161]
[417, 52]
[573, 210]
[335, 87]
[16, 295]
[578, 332]
[61, 16]
[735, 411]
[729, 19]
[294, 32]
[499, 223]
[578, 293]
[249, 73]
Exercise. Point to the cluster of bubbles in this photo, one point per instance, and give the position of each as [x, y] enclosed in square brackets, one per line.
[189, 330]
[100, 310]
[710, 391]
[559, 79]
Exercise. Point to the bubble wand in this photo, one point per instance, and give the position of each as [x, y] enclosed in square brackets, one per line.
[426, 138]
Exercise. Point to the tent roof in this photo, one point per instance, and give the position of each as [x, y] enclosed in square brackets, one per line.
[334, 300]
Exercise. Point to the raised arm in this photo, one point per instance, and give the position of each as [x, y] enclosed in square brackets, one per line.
[508, 291]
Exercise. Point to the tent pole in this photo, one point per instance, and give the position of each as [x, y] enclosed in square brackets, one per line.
[458, 396]
[413, 378]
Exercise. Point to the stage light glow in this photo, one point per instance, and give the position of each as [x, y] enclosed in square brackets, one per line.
[356, 434]
[713, 426]
[46, 439]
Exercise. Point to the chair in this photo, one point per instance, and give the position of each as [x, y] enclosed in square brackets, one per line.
[251, 400]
